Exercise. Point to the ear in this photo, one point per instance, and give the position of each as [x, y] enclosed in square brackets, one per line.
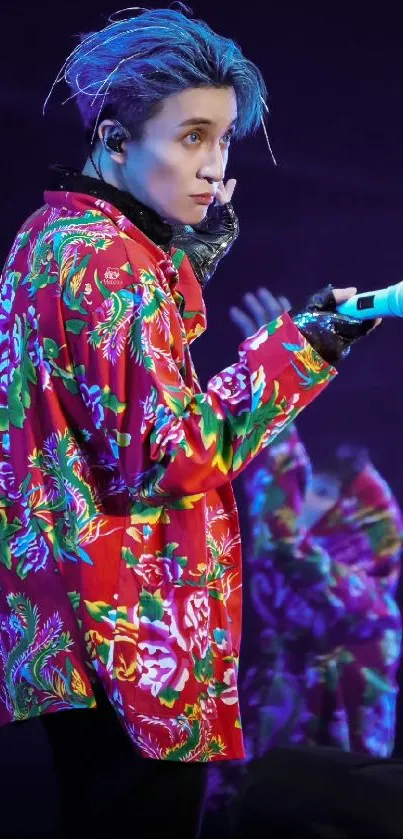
[113, 137]
[103, 127]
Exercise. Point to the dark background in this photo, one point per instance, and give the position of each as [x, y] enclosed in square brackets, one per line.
[332, 211]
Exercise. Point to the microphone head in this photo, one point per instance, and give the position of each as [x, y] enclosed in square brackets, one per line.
[395, 299]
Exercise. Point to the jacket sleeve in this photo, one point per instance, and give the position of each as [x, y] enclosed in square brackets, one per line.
[291, 572]
[130, 353]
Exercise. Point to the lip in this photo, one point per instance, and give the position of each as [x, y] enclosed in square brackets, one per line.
[203, 198]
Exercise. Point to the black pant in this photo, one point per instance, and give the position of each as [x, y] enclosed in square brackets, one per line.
[76, 774]
[109, 790]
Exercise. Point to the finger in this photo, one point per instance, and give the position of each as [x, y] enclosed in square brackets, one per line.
[285, 303]
[229, 188]
[242, 320]
[377, 323]
[220, 195]
[225, 192]
[342, 294]
[259, 313]
[270, 303]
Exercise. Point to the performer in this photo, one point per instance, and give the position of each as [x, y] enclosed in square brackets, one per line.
[322, 574]
[121, 565]
[323, 641]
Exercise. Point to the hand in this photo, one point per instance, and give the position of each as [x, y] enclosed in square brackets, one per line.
[225, 191]
[342, 294]
[262, 306]
[205, 244]
[329, 333]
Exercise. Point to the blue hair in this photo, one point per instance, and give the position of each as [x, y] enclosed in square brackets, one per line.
[125, 70]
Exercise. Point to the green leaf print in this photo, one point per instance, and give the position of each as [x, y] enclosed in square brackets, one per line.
[203, 667]
[16, 408]
[123, 440]
[219, 688]
[75, 598]
[101, 611]
[50, 347]
[208, 423]
[75, 325]
[109, 400]
[4, 419]
[6, 531]
[151, 606]
[129, 558]
[168, 697]
[170, 549]
[215, 594]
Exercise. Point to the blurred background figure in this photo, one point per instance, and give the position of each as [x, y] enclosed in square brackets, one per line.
[322, 629]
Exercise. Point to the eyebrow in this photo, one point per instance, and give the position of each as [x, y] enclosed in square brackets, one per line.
[200, 121]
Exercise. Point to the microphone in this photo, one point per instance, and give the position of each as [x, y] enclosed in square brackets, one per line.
[386, 302]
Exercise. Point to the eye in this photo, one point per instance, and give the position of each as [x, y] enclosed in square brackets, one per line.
[193, 138]
[227, 137]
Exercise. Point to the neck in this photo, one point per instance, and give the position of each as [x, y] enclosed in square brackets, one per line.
[102, 170]
[89, 182]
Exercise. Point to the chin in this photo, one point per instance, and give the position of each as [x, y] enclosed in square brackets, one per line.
[197, 215]
[193, 216]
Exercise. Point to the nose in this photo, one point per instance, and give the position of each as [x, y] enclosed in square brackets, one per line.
[213, 166]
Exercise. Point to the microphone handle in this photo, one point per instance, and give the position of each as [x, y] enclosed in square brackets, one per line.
[386, 302]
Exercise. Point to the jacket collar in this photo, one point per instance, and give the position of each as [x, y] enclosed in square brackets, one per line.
[147, 220]
[71, 190]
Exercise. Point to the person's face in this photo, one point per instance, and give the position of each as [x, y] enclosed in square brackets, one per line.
[176, 166]
[321, 495]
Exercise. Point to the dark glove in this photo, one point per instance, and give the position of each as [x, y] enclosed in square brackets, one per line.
[207, 243]
[328, 332]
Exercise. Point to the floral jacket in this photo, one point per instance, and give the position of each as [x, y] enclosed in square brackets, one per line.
[322, 630]
[120, 552]
[325, 608]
